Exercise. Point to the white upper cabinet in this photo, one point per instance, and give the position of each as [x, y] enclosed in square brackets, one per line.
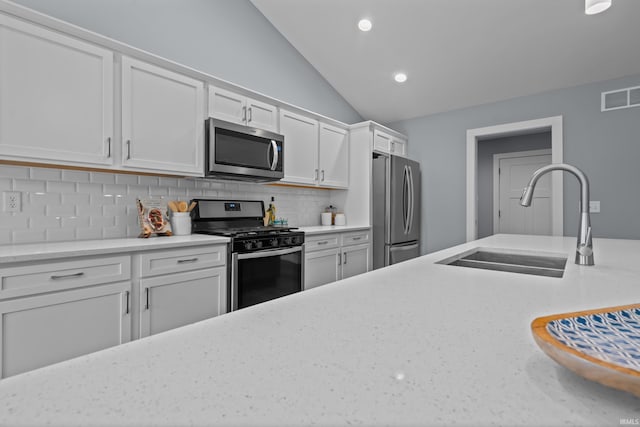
[162, 120]
[315, 153]
[235, 108]
[300, 148]
[386, 143]
[56, 97]
[333, 156]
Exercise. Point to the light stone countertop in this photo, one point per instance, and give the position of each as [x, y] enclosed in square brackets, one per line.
[322, 229]
[417, 343]
[57, 250]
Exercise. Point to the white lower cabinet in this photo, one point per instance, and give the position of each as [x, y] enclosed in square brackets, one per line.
[175, 300]
[40, 330]
[334, 256]
[180, 286]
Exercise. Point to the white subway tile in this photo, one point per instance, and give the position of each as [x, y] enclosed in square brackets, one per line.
[88, 210]
[114, 233]
[89, 188]
[139, 191]
[61, 235]
[102, 178]
[210, 193]
[75, 176]
[102, 221]
[168, 182]
[158, 191]
[29, 236]
[173, 191]
[114, 189]
[14, 221]
[61, 187]
[14, 171]
[6, 184]
[194, 192]
[75, 199]
[216, 185]
[5, 237]
[31, 209]
[114, 210]
[73, 222]
[122, 178]
[45, 174]
[61, 210]
[44, 222]
[148, 180]
[88, 233]
[101, 199]
[29, 186]
[187, 183]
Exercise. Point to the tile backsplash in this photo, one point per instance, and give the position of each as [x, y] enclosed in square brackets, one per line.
[65, 205]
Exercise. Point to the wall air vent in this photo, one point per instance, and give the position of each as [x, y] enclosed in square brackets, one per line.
[621, 98]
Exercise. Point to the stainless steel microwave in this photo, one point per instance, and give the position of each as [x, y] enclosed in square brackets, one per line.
[243, 153]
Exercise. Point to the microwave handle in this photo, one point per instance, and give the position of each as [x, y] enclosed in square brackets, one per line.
[274, 162]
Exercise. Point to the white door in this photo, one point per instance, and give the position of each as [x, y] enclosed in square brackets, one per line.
[56, 97]
[162, 119]
[514, 172]
[300, 148]
[226, 105]
[175, 300]
[44, 329]
[334, 156]
[261, 115]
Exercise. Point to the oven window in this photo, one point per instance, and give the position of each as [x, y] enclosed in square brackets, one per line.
[263, 279]
[237, 149]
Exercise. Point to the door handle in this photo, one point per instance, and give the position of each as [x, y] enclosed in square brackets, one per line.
[250, 115]
[67, 276]
[405, 199]
[244, 114]
[274, 147]
[339, 258]
[183, 261]
[344, 257]
[108, 147]
[411, 199]
[322, 175]
[126, 311]
[146, 304]
[128, 149]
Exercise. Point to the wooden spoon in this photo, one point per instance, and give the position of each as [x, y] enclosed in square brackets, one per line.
[172, 205]
[191, 206]
[182, 206]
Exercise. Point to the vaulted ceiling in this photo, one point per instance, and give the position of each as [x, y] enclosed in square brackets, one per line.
[456, 53]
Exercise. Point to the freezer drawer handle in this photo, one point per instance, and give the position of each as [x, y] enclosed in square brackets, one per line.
[356, 238]
[324, 242]
[67, 276]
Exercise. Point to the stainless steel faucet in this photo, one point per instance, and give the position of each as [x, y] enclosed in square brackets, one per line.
[584, 250]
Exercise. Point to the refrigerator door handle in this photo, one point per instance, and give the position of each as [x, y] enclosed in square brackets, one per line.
[411, 199]
[404, 248]
[405, 199]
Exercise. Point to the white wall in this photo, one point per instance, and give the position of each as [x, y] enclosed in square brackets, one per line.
[605, 145]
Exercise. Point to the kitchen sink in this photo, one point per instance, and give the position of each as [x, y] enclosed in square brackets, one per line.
[550, 265]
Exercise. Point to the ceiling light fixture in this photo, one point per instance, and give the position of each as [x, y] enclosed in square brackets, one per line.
[591, 7]
[364, 25]
[400, 77]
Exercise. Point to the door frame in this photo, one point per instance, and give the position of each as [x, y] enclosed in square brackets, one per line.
[554, 124]
[496, 177]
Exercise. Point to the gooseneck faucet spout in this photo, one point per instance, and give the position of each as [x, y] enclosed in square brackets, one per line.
[584, 250]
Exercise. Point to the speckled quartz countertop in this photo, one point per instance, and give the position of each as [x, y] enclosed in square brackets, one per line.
[417, 343]
[40, 251]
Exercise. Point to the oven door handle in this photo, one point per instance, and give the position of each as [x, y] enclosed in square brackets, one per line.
[274, 252]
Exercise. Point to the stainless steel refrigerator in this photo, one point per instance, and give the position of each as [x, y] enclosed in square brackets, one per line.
[396, 210]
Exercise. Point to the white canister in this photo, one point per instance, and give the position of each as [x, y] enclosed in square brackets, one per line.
[181, 223]
[340, 219]
[325, 218]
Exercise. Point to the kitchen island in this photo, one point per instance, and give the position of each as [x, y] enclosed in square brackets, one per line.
[417, 343]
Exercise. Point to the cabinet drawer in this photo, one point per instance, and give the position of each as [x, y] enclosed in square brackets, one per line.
[178, 260]
[355, 238]
[31, 278]
[320, 242]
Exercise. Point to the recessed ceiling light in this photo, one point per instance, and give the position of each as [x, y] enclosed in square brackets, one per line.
[364, 25]
[591, 7]
[400, 77]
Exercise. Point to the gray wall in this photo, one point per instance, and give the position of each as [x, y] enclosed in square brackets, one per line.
[606, 146]
[486, 149]
[229, 39]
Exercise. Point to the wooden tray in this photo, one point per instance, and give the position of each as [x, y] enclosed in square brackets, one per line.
[601, 345]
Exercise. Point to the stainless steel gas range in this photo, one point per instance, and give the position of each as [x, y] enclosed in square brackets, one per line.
[266, 262]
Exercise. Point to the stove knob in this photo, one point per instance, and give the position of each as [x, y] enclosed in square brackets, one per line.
[258, 244]
[273, 242]
[248, 245]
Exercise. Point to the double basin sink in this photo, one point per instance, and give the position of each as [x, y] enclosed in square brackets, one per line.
[511, 261]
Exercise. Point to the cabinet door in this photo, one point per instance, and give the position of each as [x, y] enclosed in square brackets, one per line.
[56, 97]
[381, 141]
[226, 105]
[175, 300]
[262, 115]
[398, 147]
[355, 260]
[334, 156]
[41, 330]
[300, 148]
[162, 120]
[321, 267]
